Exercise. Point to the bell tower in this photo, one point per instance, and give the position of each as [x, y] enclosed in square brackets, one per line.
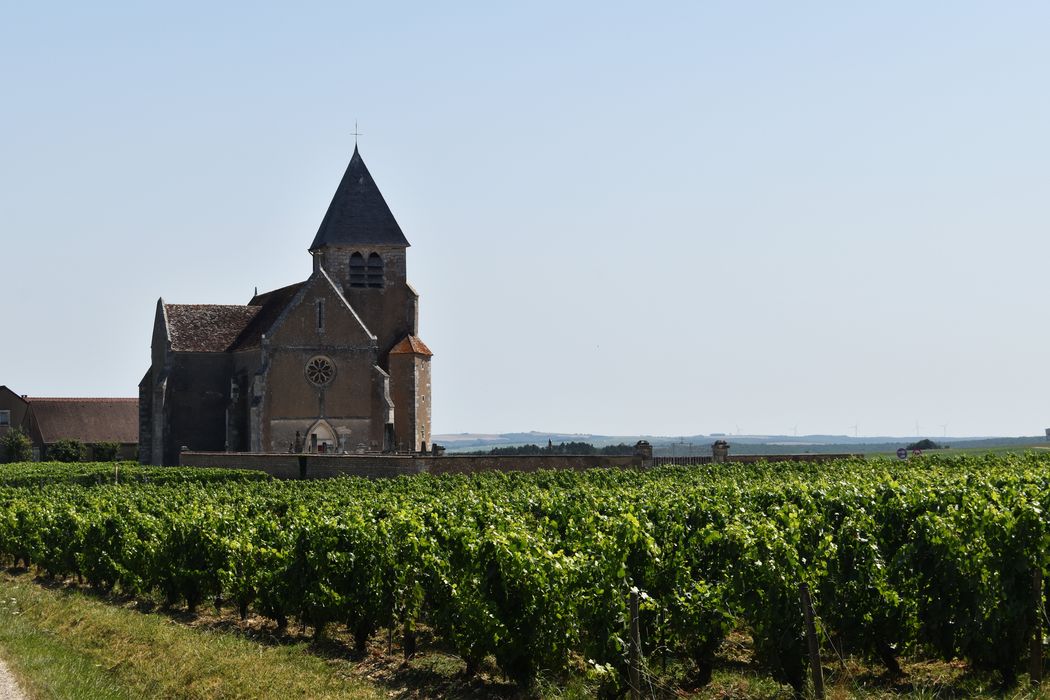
[362, 248]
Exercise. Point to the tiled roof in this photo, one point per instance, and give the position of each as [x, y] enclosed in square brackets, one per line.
[270, 305]
[411, 345]
[86, 419]
[283, 293]
[206, 327]
[358, 214]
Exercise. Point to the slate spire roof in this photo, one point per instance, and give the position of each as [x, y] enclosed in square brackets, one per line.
[358, 214]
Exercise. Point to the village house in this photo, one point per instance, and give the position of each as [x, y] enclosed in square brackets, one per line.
[90, 421]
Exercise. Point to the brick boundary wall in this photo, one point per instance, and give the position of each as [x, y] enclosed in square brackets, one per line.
[318, 466]
[315, 466]
[694, 460]
[829, 457]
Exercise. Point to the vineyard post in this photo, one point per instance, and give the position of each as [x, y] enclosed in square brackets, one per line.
[814, 648]
[1035, 668]
[409, 640]
[663, 640]
[634, 650]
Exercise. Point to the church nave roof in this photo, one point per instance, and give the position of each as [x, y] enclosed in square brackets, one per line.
[206, 327]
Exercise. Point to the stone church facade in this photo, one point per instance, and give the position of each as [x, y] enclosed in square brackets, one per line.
[331, 364]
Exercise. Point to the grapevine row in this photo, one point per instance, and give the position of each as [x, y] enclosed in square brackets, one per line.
[534, 570]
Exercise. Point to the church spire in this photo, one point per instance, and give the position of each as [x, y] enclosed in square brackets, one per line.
[358, 214]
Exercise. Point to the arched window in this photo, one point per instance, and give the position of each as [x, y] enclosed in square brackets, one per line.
[375, 270]
[358, 278]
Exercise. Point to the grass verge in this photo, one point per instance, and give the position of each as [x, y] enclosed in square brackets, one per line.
[65, 644]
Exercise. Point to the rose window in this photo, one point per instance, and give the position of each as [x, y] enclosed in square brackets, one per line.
[320, 370]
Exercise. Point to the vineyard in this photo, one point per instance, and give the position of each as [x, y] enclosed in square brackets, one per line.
[936, 558]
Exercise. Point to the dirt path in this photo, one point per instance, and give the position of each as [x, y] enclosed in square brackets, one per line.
[9, 689]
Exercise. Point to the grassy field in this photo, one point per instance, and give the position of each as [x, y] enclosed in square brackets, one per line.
[64, 642]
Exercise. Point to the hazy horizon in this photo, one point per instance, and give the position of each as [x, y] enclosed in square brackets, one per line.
[688, 219]
[758, 436]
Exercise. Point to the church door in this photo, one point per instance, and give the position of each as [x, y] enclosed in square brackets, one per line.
[321, 437]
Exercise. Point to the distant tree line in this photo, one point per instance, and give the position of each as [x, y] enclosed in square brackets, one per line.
[562, 448]
[926, 444]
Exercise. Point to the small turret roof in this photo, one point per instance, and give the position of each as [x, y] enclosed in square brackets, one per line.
[358, 214]
[411, 345]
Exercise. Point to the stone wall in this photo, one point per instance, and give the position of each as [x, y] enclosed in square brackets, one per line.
[410, 391]
[315, 466]
[469, 464]
[829, 457]
[194, 409]
[693, 460]
[291, 402]
[280, 466]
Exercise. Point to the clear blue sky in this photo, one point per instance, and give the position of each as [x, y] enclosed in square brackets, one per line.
[625, 218]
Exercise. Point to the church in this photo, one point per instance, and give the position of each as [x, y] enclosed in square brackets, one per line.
[333, 364]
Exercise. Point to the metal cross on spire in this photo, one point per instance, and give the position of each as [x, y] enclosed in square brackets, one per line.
[356, 133]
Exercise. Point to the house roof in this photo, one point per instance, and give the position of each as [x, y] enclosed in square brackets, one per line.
[206, 327]
[5, 389]
[411, 345]
[358, 214]
[86, 419]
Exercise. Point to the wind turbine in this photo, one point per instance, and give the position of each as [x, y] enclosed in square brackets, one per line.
[854, 426]
[944, 430]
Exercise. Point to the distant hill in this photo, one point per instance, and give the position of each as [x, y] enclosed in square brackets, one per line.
[664, 445]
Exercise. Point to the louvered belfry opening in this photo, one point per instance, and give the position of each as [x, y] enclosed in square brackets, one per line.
[358, 275]
[375, 271]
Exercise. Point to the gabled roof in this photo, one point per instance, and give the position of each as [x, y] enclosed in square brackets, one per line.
[358, 214]
[206, 327]
[271, 305]
[4, 388]
[411, 345]
[342, 297]
[86, 419]
[284, 293]
[295, 297]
